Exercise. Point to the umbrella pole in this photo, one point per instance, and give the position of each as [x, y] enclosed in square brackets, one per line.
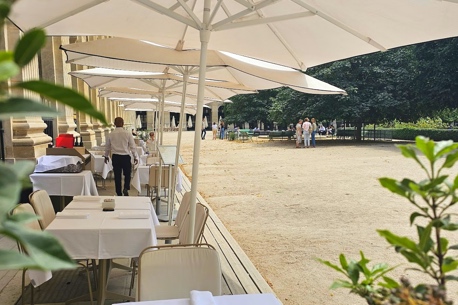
[204, 39]
[177, 154]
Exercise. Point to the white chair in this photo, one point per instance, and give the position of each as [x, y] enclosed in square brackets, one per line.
[183, 231]
[172, 232]
[172, 271]
[35, 225]
[199, 226]
[41, 203]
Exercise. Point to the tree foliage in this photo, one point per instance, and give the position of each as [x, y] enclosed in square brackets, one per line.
[401, 84]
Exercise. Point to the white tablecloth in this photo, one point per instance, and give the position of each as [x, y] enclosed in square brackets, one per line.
[103, 235]
[121, 203]
[46, 163]
[65, 184]
[240, 299]
[141, 177]
[100, 167]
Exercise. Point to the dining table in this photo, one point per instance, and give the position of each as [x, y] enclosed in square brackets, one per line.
[239, 299]
[65, 184]
[99, 166]
[87, 232]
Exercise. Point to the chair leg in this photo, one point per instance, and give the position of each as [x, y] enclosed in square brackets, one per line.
[133, 264]
[86, 268]
[94, 272]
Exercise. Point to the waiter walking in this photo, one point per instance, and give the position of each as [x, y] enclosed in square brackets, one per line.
[121, 144]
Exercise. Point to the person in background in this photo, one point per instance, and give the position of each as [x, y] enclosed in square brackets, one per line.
[298, 134]
[151, 144]
[204, 132]
[314, 128]
[120, 143]
[322, 130]
[214, 130]
[221, 130]
[306, 130]
[134, 133]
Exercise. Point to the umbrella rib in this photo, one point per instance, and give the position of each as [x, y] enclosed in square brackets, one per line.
[171, 14]
[70, 13]
[251, 9]
[341, 25]
[265, 20]
[190, 12]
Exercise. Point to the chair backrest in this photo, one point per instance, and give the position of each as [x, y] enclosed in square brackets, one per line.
[43, 207]
[183, 209]
[152, 160]
[154, 176]
[33, 224]
[172, 271]
[27, 208]
[201, 218]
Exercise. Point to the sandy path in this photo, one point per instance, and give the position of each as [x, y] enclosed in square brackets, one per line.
[287, 206]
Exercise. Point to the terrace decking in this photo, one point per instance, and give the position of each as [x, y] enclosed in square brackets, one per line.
[239, 274]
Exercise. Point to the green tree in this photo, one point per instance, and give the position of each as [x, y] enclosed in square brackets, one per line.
[249, 107]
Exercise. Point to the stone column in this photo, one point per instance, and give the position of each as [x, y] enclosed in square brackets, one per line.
[24, 136]
[84, 122]
[54, 69]
[150, 120]
[96, 124]
[214, 108]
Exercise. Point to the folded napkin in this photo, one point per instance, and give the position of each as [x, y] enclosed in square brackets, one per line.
[134, 215]
[202, 298]
[72, 215]
[87, 198]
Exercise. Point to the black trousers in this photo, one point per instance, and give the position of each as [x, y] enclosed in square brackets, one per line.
[204, 133]
[121, 164]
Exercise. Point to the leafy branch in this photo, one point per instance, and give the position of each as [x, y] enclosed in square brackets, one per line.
[42, 251]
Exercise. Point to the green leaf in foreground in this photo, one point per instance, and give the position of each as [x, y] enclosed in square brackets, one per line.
[8, 68]
[41, 247]
[65, 96]
[18, 106]
[29, 46]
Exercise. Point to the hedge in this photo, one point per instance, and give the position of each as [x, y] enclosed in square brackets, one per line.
[434, 134]
[411, 133]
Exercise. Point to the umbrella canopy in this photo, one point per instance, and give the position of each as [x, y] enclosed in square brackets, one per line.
[128, 93]
[136, 55]
[172, 124]
[189, 122]
[138, 123]
[101, 77]
[296, 33]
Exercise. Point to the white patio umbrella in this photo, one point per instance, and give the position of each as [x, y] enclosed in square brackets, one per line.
[138, 123]
[205, 123]
[172, 124]
[189, 122]
[296, 33]
[145, 61]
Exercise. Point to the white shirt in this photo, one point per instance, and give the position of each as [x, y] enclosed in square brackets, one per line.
[121, 142]
[214, 127]
[306, 126]
[151, 145]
